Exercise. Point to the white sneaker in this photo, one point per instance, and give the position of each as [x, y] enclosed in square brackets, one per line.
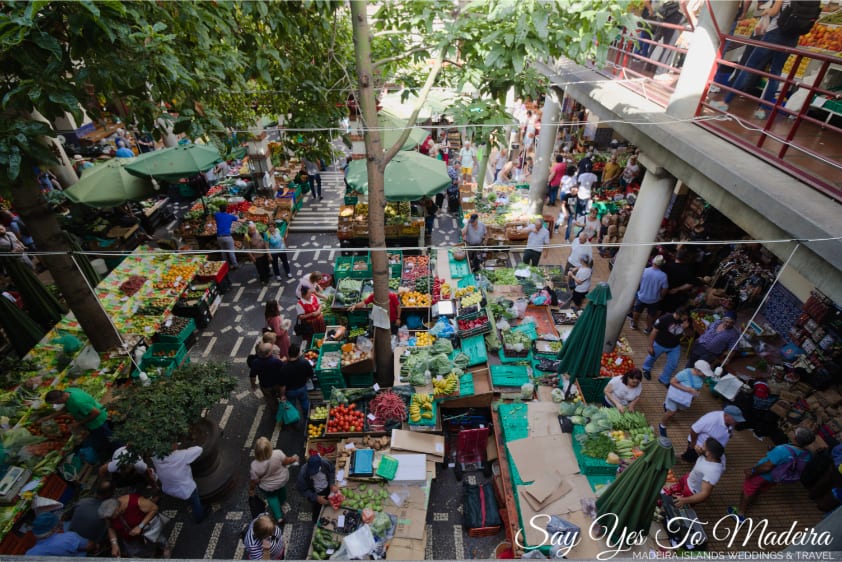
[759, 114]
[714, 89]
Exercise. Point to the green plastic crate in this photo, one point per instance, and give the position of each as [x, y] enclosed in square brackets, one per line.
[342, 267]
[509, 375]
[388, 467]
[182, 336]
[363, 380]
[351, 199]
[358, 318]
[466, 385]
[335, 372]
[589, 465]
[525, 360]
[514, 420]
[154, 371]
[395, 269]
[459, 268]
[175, 354]
[328, 382]
[474, 347]
[425, 422]
[467, 281]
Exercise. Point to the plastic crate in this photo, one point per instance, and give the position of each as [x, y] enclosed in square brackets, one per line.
[342, 267]
[514, 420]
[518, 359]
[154, 371]
[484, 329]
[351, 200]
[388, 467]
[425, 422]
[329, 381]
[467, 281]
[335, 372]
[466, 385]
[182, 336]
[509, 375]
[474, 347]
[593, 389]
[362, 380]
[395, 269]
[459, 268]
[589, 465]
[162, 354]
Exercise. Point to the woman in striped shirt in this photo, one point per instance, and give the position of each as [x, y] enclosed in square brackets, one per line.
[264, 540]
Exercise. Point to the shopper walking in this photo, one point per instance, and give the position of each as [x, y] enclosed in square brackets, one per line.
[684, 387]
[278, 251]
[579, 249]
[580, 279]
[224, 240]
[468, 159]
[536, 243]
[314, 176]
[475, 234]
[718, 425]
[279, 325]
[295, 375]
[665, 339]
[556, 173]
[266, 370]
[259, 253]
[127, 517]
[269, 473]
[653, 287]
[264, 539]
[719, 337]
[176, 477]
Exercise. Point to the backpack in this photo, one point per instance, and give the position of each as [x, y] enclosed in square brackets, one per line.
[792, 468]
[798, 18]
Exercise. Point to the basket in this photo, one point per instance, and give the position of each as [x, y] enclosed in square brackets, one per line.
[593, 388]
[163, 354]
[516, 232]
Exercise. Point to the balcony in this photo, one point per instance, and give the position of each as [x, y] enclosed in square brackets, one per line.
[798, 132]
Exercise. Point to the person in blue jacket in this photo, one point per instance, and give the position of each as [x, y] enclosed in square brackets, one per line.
[316, 481]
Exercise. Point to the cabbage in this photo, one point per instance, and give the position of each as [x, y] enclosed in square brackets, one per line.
[440, 365]
[566, 408]
[443, 345]
[461, 360]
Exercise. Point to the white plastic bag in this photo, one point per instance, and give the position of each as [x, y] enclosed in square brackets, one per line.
[364, 344]
[88, 359]
[356, 545]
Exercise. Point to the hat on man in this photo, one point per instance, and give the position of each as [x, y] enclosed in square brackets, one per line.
[704, 367]
[44, 524]
[314, 463]
[658, 260]
[735, 413]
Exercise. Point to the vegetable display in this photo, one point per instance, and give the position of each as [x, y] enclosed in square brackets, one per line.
[420, 408]
[345, 419]
[365, 496]
[387, 406]
[445, 386]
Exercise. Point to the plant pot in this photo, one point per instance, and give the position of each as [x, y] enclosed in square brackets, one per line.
[206, 434]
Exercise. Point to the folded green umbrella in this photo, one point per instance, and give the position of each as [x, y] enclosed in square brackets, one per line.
[21, 330]
[41, 304]
[582, 350]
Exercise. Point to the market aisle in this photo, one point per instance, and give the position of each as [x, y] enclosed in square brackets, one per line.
[321, 216]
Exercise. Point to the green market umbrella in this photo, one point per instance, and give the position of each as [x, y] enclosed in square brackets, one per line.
[436, 103]
[21, 330]
[174, 163]
[581, 353]
[109, 185]
[393, 126]
[633, 495]
[409, 176]
[41, 304]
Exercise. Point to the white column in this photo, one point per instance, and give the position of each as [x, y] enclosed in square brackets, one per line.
[544, 152]
[64, 168]
[701, 58]
[652, 201]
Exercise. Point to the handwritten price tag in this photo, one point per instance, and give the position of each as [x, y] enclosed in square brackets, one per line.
[372, 417]
[376, 387]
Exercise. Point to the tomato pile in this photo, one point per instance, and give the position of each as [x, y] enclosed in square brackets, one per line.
[465, 325]
[437, 292]
[345, 419]
[613, 364]
[236, 208]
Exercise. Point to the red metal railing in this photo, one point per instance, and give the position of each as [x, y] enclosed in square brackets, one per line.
[789, 137]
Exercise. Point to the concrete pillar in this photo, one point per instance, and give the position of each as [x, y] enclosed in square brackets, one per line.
[652, 202]
[701, 57]
[64, 168]
[544, 152]
[167, 136]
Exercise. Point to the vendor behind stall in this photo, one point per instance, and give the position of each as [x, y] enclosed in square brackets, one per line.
[316, 481]
[394, 309]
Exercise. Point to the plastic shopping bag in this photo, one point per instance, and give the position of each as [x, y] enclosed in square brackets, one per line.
[287, 414]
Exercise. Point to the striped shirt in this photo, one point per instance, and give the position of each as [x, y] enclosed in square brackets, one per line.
[254, 545]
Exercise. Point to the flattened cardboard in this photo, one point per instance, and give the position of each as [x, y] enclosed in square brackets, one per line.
[543, 419]
[406, 549]
[545, 488]
[532, 455]
[412, 523]
[563, 507]
[415, 442]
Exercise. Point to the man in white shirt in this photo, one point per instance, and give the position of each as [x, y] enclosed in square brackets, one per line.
[718, 424]
[127, 469]
[697, 486]
[176, 478]
[468, 158]
[536, 244]
[578, 250]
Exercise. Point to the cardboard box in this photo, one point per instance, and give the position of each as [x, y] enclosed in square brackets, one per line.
[789, 396]
[415, 442]
[406, 549]
[412, 469]
[412, 523]
[781, 408]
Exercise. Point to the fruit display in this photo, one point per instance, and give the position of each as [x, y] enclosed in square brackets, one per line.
[473, 324]
[421, 408]
[422, 284]
[414, 299]
[173, 326]
[154, 307]
[445, 386]
[320, 449]
[324, 544]
[387, 406]
[132, 285]
[394, 283]
[614, 364]
[827, 37]
[345, 419]
[315, 429]
[319, 413]
[445, 290]
[365, 496]
[471, 299]
[357, 331]
[415, 267]
[352, 354]
[176, 276]
[424, 339]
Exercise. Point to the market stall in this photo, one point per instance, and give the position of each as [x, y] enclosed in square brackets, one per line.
[150, 298]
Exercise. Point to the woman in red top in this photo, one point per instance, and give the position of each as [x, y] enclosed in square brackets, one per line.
[279, 325]
[309, 310]
[394, 309]
[127, 517]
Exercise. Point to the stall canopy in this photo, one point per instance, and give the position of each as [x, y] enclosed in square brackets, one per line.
[632, 496]
[580, 356]
[176, 162]
[393, 126]
[409, 176]
[109, 185]
[22, 331]
[42, 305]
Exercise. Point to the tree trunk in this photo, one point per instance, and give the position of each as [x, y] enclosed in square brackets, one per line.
[543, 155]
[483, 167]
[49, 237]
[375, 166]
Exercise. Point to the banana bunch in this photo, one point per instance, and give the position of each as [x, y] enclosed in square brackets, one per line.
[464, 291]
[420, 408]
[446, 386]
